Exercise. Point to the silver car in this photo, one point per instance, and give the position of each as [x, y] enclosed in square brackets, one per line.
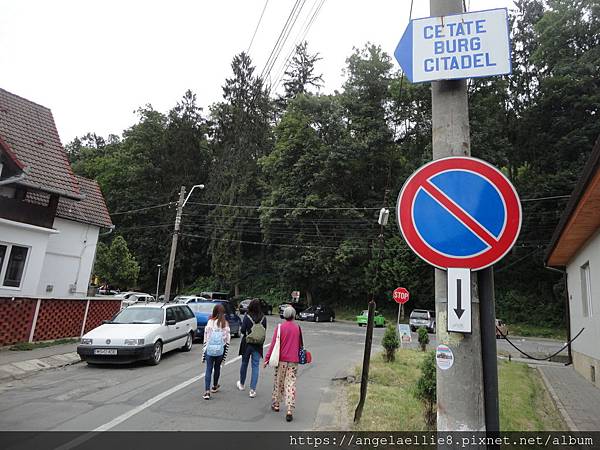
[422, 318]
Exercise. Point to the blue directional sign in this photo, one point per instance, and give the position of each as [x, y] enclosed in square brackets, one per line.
[467, 45]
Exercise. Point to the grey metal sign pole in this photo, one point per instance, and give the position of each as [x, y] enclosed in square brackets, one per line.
[460, 396]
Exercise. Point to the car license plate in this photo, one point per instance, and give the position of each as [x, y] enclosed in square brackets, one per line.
[105, 351]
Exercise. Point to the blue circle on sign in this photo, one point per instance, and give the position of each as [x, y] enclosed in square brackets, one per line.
[476, 196]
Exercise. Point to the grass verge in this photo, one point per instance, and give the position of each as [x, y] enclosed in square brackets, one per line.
[525, 405]
[525, 330]
[32, 345]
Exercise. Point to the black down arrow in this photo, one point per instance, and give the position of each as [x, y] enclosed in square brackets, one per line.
[458, 310]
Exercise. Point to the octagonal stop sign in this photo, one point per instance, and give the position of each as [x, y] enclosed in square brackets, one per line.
[401, 295]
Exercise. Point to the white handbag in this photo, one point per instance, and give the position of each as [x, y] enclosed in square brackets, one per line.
[274, 359]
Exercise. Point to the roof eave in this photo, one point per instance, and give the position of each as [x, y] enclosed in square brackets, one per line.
[589, 170]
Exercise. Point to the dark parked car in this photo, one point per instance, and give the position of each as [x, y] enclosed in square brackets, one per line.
[318, 313]
[298, 306]
[266, 308]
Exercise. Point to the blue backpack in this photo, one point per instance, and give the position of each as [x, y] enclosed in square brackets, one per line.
[215, 345]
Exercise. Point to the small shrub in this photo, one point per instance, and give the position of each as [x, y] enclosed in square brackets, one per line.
[423, 338]
[426, 389]
[390, 343]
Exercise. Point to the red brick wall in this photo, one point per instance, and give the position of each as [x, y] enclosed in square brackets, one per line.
[57, 318]
[16, 317]
[100, 310]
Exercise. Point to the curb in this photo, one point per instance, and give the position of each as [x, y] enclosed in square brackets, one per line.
[332, 414]
[22, 369]
[557, 402]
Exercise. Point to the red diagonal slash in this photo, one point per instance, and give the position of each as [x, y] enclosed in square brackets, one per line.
[464, 217]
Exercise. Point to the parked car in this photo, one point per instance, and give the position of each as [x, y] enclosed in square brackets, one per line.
[318, 313]
[298, 306]
[266, 308]
[214, 295]
[108, 290]
[501, 328]
[140, 332]
[136, 297]
[363, 318]
[185, 299]
[422, 318]
[203, 309]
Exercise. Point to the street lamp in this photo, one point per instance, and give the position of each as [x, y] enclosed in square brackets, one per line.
[180, 204]
[157, 281]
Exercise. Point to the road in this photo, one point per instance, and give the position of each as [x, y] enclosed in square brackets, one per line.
[169, 396]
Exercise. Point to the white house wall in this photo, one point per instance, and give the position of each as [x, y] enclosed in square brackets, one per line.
[586, 347]
[69, 260]
[36, 239]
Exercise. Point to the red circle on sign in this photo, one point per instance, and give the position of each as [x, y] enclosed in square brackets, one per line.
[497, 248]
[401, 295]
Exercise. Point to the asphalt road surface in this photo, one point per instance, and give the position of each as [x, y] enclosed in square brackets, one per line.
[169, 396]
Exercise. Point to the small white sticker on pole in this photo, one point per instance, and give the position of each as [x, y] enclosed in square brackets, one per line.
[459, 300]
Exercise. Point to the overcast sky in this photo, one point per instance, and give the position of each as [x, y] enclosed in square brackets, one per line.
[94, 62]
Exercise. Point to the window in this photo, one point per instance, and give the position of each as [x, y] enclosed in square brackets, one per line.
[179, 314]
[188, 312]
[12, 265]
[586, 290]
[170, 314]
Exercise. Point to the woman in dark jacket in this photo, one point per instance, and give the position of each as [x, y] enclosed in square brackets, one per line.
[254, 326]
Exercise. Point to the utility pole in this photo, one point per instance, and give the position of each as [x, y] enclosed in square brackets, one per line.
[460, 394]
[174, 244]
[158, 281]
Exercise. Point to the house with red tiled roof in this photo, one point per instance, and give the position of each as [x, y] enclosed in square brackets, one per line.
[575, 249]
[50, 219]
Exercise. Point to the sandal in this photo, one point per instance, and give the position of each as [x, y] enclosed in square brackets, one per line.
[275, 408]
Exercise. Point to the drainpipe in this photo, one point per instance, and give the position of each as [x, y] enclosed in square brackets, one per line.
[106, 233]
[567, 310]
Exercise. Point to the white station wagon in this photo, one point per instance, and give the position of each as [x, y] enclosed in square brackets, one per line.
[140, 332]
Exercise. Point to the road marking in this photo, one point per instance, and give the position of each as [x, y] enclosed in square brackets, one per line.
[123, 417]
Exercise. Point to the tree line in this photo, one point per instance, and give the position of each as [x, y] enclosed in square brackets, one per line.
[294, 182]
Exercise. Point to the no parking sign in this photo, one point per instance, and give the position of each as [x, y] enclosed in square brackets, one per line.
[459, 212]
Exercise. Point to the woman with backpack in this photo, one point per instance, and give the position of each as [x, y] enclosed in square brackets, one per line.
[254, 328]
[289, 336]
[217, 336]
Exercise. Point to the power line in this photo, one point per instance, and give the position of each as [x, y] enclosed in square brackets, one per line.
[270, 244]
[348, 208]
[278, 41]
[257, 25]
[518, 260]
[142, 209]
[544, 198]
[141, 227]
[285, 38]
[308, 208]
[306, 26]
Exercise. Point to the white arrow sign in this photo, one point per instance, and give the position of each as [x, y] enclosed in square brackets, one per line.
[474, 44]
[459, 300]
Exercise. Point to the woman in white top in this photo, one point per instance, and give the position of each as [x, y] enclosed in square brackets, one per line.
[216, 342]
